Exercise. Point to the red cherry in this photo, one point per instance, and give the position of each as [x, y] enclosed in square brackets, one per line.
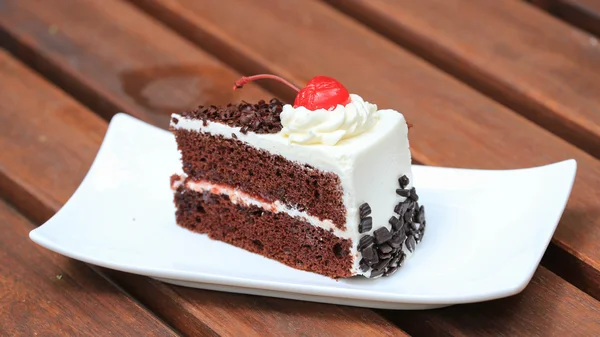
[321, 92]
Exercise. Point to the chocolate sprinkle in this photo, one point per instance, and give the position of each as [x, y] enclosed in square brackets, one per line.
[391, 271]
[385, 256]
[395, 260]
[421, 216]
[396, 223]
[364, 210]
[403, 181]
[413, 225]
[402, 257]
[261, 117]
[370, 255]
[365, 224]
[408, 216]
[363, 265]
[411, 244]
[396, 241]
[382, 252]
[377, 273]
[403, 193]
[382, 235]
[365, 241]
[385, 249]
[403, 208]
[413, 194]
[381, 264]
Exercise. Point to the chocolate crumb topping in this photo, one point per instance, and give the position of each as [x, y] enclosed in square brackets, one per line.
[365, 224]
[364, 210]
[403, 193]
[411, 244]
[413, 194]
[395, 222]
[364, 266]
[365, 241]
[376, 273]
[384, 251]
[370, 255]
[260, 117]
[403, 181]
[382, 235]
[385, 248]
[391, 271]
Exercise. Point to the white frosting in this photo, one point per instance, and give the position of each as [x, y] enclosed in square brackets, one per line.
[368, 164]
[328, 127]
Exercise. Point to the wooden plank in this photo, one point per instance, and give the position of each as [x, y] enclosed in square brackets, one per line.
[227, 314]
[540, 66]
[497, 318]
[113, 58]
[42, 293]
[451, 104]
[454, 125]
[48, 142]
[584, 14]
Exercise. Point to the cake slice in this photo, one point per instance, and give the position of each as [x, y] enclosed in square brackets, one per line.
[324, 185]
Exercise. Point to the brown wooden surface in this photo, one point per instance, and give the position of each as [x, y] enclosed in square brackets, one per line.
[519, 55]
[43, 293]
[194, 311]
[49, 130]
[584, 14]
[548, 298]
[113, 57]
[454, 125]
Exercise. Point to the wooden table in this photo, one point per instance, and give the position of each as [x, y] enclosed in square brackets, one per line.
[487, 84]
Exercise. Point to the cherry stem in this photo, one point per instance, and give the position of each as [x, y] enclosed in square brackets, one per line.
[245, 80]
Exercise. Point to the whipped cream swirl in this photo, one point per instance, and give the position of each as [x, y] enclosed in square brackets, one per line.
[328, 127]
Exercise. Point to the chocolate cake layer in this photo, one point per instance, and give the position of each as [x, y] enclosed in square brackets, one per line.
[257, 172]
[261, 117]
[288, 240]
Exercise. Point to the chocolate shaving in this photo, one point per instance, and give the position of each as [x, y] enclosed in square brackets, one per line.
[382, 252]
[403, 181]
[261, 117]
[365, 224]
[364, 210]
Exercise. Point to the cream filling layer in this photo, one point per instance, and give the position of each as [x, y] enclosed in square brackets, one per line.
[238, 197]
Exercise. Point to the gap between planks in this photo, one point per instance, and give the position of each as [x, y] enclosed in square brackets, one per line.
[584, 14]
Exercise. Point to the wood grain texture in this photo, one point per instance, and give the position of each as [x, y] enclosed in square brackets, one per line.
[46, 294]
[48, 142]
[113, 58]
[200, 307]
[584, 14]
[544, 296]
[521, 56]
[454, 125]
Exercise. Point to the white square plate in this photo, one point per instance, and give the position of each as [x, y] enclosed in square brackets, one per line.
[486, 233]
